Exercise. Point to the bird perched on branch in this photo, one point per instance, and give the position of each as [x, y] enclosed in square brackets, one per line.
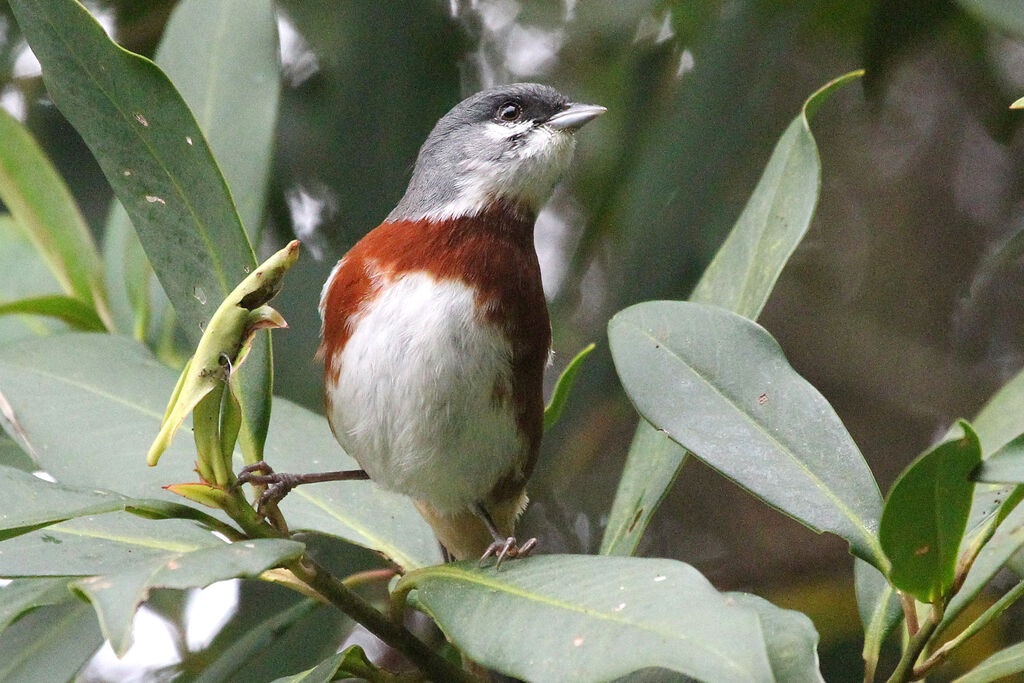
[435, 328]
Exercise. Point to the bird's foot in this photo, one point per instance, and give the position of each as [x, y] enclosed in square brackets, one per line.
[278, 484]
[507, 548]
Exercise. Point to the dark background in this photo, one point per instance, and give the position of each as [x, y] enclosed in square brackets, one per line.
[896, 306]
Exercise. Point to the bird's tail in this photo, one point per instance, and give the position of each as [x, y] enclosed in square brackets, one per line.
[464, 534]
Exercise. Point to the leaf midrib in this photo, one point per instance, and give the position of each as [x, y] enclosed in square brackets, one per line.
[873, 543]
[479, 579]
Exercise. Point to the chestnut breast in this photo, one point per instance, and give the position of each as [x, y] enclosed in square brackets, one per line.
[435, 339]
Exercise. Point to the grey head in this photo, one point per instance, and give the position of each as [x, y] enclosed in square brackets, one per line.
[511, 143]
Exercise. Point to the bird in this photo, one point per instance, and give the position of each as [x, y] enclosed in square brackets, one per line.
[435, 330]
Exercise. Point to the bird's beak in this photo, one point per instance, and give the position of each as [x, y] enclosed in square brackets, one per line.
[574, 116]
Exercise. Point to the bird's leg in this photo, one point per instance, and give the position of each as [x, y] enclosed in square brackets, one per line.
[502, 546]
[446, 556]
[280, 483]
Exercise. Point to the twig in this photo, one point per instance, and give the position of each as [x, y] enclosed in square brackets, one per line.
[393, 633]
[905, 668]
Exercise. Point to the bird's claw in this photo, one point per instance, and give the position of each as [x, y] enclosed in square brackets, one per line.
[278, 484]
[507, 548]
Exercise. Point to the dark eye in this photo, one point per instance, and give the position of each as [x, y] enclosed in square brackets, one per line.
[509, 111]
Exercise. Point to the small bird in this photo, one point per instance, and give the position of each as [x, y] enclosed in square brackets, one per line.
[435, 328]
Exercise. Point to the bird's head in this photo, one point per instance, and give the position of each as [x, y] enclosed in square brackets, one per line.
[510, 144]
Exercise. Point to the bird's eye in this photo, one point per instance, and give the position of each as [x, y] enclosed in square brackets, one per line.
[509, 111]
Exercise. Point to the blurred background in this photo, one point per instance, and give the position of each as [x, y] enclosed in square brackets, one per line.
[901, 305]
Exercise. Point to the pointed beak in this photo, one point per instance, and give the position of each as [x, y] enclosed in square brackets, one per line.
[574, 116]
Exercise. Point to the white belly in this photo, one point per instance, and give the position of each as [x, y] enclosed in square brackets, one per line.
[415, 404]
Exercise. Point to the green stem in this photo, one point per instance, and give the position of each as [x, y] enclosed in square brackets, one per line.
[905, 669]
[391, 632]
[981, 622]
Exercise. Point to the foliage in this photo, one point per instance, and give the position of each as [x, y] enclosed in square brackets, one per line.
[708, 382]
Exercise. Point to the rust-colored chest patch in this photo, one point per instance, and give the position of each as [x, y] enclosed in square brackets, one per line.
[493, 253]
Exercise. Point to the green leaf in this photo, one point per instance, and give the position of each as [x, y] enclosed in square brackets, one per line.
[653, 463]
[266, 641]
[926, 514]
[596, 618]
[12, 455]
[104, 544]
[720, 386]
[91, 405]
[1000, 549]
[222, 58]
[1005, 16]
[73, 311]
[160, 167]
[997, 667]
[24, 595]
[43, 207]
[789, 636]
[1005, 466]
[739, 278]
[31, 503]
[23, 274]
[352, 662]
[117, 596]
[554, 408]
[879, 607]
[775, 219]
[50, 644]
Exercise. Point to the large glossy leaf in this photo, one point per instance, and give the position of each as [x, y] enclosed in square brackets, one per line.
[50, 644]
[222, 58]
[926, 514]
[117, 595]
[739, 278]
[720, 386]
[587, 618]
[158, 163]
[23, 595]
[43, 207]
[90, 406]
[30, 502]
[104, 544]
[49, 381]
